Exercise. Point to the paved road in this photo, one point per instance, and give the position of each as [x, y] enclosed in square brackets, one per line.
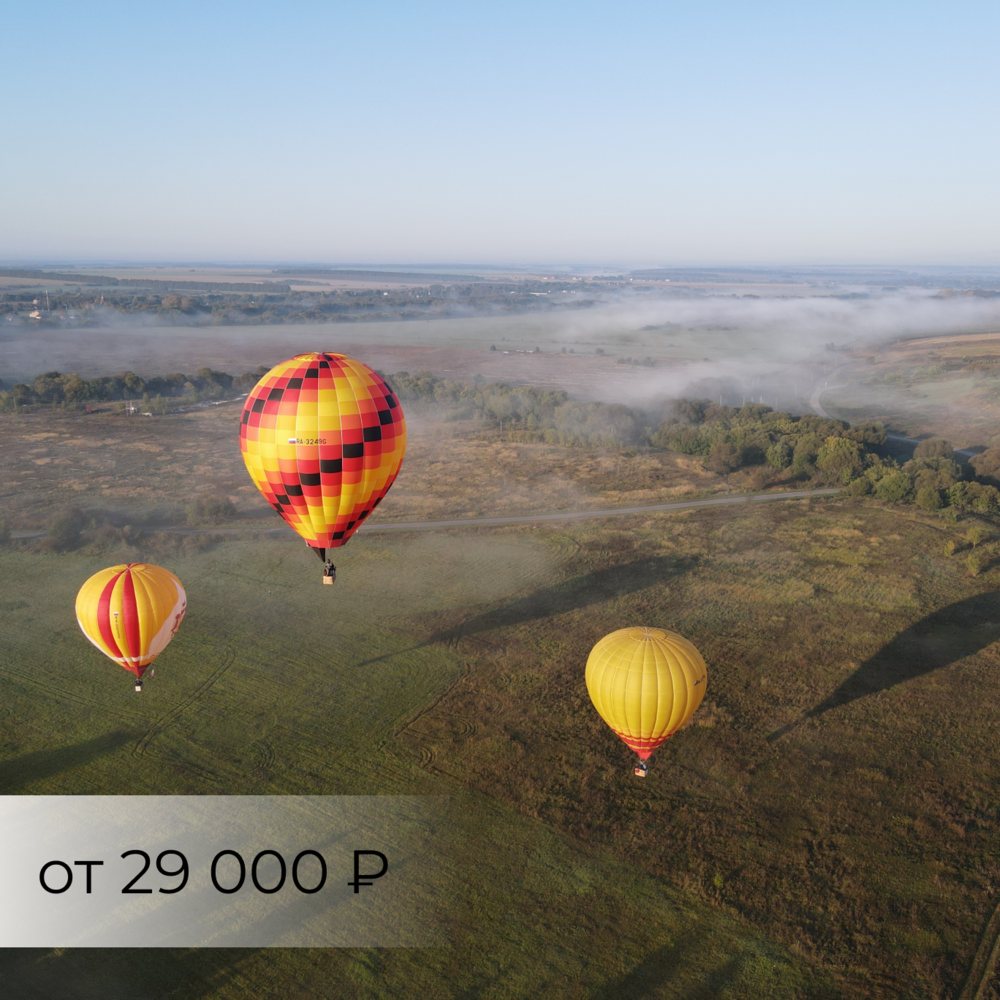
[476, 522]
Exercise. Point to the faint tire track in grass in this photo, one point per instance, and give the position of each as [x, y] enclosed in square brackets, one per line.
[59, 692]
[142, 746]
[984, 961]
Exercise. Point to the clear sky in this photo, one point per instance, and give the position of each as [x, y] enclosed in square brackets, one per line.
[636, 133]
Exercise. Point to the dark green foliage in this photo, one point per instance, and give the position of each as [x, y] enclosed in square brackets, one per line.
[841, 458]
[525, 413]
[733, 437]
[895, 487]
[933, 473]
[779, 455]
[980, 498]
[55, 387]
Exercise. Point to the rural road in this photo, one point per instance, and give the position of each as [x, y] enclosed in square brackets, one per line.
[477, 522]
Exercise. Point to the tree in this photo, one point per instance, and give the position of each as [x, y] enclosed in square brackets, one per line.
[64, 529]
[839, 455]
[725, 457]
[934, 447]
[779, 455]
[976, 535]
[210, 509]
[976, 563]
[987, 466]
[894, 488]
[929, 498]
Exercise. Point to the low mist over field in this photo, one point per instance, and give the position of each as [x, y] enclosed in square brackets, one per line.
[619, 339]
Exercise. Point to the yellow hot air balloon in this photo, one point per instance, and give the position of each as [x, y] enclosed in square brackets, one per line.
[323, 436]
[130, 613]
[645, 684]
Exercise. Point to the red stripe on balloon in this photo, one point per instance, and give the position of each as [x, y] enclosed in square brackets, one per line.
[130, 612]
[104, 616]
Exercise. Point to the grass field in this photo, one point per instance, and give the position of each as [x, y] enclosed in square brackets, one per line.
[825, 827]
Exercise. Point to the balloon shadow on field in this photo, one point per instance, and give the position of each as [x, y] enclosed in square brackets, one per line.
[659, 970]
[119, 973]
[938, 640]
[16, 774]
[571, 595]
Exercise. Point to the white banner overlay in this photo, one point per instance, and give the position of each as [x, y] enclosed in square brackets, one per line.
[252, 871]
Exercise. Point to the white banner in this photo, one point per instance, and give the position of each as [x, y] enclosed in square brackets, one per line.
[217, 871]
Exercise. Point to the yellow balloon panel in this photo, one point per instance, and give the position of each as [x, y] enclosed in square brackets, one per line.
[645, 683]
[131, 612]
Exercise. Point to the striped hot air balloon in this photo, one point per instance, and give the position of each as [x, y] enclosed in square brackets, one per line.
[645, 684]
[130, 613]
[323, 437]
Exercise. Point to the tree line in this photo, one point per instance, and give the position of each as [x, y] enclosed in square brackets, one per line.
[773, 445]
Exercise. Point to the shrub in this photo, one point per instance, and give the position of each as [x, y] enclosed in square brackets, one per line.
[779, 455]
[725, 457]
[987, 465]
[210, 509]
[976, 534]
[64, 530]
[929, 498]
[839, 455]
[937, 473]
[895, 487]
[933, 448]
[976, 563]
[950, 547]
[859, 488]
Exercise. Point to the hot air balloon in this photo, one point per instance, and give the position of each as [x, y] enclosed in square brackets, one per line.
[645, 684]
[323, 437]
[130, 613]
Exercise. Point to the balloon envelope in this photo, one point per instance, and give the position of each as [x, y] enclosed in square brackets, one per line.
[645, 683]
[323, 437]
[131, 612]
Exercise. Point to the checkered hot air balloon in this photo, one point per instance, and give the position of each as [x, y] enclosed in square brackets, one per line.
[130, 613]
[645, 684]
[323, 436]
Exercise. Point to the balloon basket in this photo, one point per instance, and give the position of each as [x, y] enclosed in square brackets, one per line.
[328, 581]
[641, 769]
[138, 686]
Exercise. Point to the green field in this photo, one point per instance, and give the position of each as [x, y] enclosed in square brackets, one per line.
[826, 826]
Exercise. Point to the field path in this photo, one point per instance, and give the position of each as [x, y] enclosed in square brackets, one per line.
[475, 522]
[984, 961]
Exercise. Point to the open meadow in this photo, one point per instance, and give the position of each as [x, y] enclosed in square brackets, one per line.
[933, 385]
[826, 826]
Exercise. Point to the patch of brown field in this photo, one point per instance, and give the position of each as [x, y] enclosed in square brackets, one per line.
[954, 344]
[144, 470]
[943, 386]
[863, 836]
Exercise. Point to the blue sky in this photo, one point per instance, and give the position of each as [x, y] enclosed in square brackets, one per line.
[634, 133]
